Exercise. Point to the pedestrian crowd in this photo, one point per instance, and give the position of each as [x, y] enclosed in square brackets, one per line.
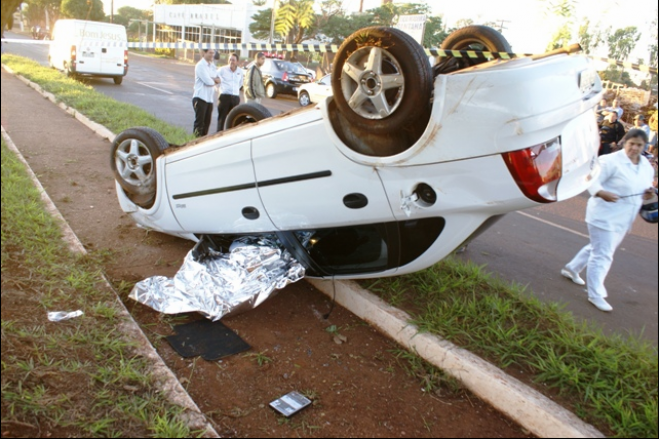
[227, 81]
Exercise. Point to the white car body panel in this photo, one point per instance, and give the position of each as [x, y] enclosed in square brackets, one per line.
[295, 170]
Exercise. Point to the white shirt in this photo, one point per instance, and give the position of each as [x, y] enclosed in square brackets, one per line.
[622, 177]
[230, 82]
[204, 83]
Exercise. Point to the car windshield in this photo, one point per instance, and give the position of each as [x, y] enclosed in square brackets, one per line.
[290, 67]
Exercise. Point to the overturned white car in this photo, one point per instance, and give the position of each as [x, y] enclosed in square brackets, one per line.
[402, 165]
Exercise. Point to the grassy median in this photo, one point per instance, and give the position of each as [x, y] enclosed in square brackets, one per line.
[114, 394]
[610, 381]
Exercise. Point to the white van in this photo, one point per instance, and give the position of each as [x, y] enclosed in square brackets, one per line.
[89, 48]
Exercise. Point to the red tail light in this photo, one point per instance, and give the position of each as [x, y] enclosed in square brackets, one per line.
[285, 76]
[125, 57]
[537, 170]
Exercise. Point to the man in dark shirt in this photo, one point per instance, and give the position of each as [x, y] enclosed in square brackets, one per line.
[611, 131]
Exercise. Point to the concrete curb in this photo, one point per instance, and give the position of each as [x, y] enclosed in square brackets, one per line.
[168, 382]
[529, 408]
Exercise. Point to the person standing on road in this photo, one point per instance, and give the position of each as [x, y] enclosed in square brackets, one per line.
[616, 198]
[206, 77]
[231, 79]
[253, 88]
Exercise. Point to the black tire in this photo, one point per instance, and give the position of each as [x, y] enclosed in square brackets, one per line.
[271, 90]
[476, 37]
[133, 162]
[303, 99]
[246, 114]
[118, 79]
[403, 64]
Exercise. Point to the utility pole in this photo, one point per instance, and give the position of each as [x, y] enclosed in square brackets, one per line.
[502, 27]
[272, 22]
[361, 5]
[112, 11]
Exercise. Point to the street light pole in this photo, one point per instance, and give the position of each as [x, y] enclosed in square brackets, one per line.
[272, 22]
[112, 11]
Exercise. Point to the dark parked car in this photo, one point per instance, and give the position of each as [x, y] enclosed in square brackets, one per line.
[283, 76]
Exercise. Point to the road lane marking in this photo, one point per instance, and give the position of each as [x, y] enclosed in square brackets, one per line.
[566, 229]
[156, 88]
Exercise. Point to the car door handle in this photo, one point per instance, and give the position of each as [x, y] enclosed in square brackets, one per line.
[355, 201]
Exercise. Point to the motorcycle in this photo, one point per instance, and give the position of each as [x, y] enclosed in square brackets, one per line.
[38, 33]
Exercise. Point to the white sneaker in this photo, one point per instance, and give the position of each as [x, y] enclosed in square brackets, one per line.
[575, 277]
[601, 304]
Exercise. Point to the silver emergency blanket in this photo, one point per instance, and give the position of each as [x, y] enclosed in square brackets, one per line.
[223, 284]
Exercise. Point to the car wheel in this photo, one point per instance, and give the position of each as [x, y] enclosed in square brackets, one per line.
[246, 113]
[118, 79]
[475, 37]
[382, 80]
[133, 162]
[271, 92]
[304, 99]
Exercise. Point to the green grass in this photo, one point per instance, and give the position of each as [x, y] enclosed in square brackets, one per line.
[76, 378]
[611, 381]
[114, 115]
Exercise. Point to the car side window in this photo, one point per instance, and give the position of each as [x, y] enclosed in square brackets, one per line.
[346, 250]
[371, 247]
[325, 80]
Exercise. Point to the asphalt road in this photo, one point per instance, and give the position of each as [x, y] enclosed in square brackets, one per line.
[528, 247]
[162, 87]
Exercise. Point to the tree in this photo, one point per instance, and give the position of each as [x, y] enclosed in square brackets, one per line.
[83, 9]
[260, 26]
[8, 9]
[620, 76]
[622, 42]
[125, 14]
[564, 10]
[295, 19]
[589, 38]
[653, 50]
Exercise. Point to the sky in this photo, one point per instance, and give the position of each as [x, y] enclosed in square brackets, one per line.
[527, 28]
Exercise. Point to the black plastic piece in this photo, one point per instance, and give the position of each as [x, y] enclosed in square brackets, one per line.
[251, 213]
[355, 201]
[210, 340]
[426, 194]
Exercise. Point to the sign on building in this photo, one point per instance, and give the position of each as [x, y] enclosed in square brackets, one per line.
[413, 25]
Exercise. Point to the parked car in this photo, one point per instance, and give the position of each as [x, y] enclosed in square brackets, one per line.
[282, 76]
[315, 91]
[401, 166]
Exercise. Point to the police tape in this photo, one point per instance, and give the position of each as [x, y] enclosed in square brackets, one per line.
[627, 65]
[319, 48]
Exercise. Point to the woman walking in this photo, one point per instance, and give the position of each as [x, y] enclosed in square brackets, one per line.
[617, 195]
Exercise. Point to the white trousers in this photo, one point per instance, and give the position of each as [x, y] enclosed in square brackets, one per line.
[597, 258]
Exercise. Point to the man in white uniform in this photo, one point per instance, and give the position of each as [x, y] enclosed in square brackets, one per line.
[231, 80]
[625, 180]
